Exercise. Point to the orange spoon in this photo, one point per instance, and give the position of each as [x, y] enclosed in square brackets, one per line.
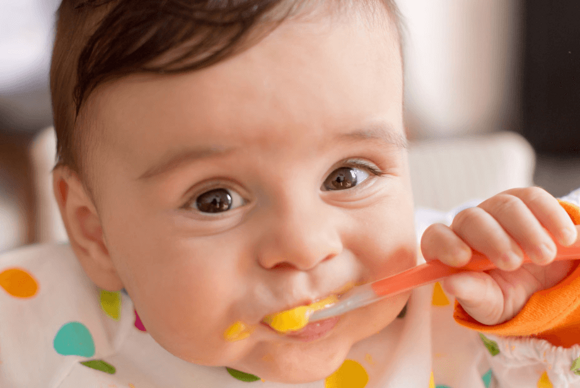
[416, 277]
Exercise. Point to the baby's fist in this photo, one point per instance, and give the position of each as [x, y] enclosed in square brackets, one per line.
[503, 228]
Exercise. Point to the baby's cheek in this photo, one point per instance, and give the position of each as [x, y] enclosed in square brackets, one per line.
[184, 317]
[191, 334]
[385, 254]
[383, 237]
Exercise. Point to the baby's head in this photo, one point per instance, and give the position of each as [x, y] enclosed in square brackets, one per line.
[226, 160]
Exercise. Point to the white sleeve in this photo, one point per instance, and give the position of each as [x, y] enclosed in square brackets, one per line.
[573, 197]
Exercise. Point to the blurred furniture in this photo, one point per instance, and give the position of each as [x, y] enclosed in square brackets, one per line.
[26, 34]
[12, 221]
[444, 174]
[49, 226]
[16, 193]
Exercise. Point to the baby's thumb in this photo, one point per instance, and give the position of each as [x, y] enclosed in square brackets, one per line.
[478, 294]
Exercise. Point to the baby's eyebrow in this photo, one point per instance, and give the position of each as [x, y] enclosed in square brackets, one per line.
[381, 132]
[172, 160]
[175, 159]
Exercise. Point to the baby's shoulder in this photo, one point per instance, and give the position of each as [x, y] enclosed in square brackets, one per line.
[51, 316]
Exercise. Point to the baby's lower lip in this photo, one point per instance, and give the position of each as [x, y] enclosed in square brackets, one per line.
[312, 331]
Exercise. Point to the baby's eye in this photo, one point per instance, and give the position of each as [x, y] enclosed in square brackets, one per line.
[345, 178]
[218, 201]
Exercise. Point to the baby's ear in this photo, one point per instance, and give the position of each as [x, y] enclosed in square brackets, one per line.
[84, 230]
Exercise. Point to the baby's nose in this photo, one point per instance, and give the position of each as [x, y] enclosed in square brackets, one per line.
[300, 238]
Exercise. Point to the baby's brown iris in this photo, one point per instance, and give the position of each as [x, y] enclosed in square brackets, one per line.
[341, 179]
[214, 201]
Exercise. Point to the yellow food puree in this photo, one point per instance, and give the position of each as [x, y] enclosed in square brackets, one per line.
[237, 331]
[296, 318]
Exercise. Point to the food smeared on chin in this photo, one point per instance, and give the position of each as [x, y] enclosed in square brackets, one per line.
[237, 331]
[297, 318]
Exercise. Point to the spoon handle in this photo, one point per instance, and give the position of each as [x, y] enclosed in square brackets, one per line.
[435, 270]
[416, 277]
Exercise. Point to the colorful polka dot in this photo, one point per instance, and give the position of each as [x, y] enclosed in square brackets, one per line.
[575, 367]
[111, 303]
[432, 383]
[18, 283]
[439, 297]
[138, 323]
[544, 381]
[491, 346]
[75, 339]
[100, 365]
[351, 374]
[486, 378]
[246, 377]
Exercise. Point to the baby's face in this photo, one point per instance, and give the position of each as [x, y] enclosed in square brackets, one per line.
[268, 181]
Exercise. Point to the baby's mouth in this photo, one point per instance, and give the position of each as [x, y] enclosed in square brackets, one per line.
[295, 319]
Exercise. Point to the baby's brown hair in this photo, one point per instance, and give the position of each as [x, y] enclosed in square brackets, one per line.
[101, 40]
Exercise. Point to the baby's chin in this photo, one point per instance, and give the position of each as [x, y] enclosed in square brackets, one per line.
[295, 362]
[282, 359]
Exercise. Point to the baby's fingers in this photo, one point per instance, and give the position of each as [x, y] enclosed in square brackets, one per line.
[479, 295]
[550, 214]
[483, 233]
[518, 220]
[577, 242]
[441, 243]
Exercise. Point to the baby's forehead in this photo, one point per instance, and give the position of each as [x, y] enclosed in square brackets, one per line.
[338, 79]
[208, 36]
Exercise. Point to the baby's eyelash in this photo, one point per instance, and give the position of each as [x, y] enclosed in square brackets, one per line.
[360, 163]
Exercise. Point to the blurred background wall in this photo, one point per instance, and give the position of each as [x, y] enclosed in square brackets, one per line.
[473, 68]
[26, 34]
[462, 66]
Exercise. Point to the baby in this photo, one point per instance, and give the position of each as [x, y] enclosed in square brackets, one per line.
[225, 161]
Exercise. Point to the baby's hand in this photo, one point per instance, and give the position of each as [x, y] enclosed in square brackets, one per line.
[503, 228]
